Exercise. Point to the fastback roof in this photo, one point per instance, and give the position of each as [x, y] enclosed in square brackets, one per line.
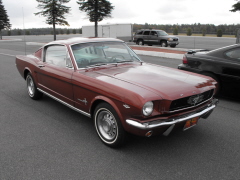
[76, 40]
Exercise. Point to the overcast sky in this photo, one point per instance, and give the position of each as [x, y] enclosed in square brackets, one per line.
[132, 11]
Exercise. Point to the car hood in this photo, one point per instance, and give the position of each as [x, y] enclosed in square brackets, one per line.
[163, 81]
[175, 37]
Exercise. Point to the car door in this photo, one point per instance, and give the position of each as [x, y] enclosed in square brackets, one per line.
[146, 37]
[55, 73]
[153, 37]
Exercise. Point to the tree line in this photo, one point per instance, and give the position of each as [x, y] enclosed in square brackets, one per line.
[176, 29]
[41, 31]
[190, 29]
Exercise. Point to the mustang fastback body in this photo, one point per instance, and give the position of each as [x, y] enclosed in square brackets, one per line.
[104, 79]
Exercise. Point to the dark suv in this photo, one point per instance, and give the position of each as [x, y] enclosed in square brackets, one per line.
[154, 36]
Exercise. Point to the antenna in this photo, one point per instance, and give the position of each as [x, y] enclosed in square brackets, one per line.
[24, 39]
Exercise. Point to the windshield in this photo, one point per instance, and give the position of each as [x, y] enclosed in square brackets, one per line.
[102, 53]
[162, 33]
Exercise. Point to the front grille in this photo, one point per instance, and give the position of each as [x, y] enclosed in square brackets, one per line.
[190, 101]
[175, 39]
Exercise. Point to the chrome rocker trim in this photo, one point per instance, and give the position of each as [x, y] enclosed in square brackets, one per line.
[66, 104]
[204, 113]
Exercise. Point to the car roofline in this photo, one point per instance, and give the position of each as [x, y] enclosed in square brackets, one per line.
[77, 40]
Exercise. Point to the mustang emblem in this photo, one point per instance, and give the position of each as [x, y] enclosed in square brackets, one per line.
[193, 100]
[126, 106]
[83, 100]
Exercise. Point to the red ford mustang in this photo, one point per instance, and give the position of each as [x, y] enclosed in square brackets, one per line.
[104, 79]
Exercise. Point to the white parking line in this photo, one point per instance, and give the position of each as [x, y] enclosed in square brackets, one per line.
[7, 54]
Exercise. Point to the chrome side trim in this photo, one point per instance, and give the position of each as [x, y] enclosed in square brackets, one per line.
[174, 121]
[66, 104]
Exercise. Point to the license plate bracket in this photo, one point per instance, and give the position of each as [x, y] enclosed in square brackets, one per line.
[190, 123]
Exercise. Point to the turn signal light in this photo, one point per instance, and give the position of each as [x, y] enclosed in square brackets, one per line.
[148, 134]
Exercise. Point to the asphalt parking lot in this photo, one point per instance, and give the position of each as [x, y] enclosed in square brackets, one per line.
[46, 140]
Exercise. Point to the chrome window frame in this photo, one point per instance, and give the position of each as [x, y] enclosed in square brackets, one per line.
[43, 56]
[128, 48]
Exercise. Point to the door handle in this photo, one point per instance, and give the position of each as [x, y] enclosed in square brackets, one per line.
[40, 66]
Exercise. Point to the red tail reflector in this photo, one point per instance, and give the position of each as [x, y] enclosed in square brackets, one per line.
[185, 61]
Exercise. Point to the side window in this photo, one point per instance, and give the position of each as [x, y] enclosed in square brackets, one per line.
[146, 32]
[139, 33]
[57, 55]
[153, 33]
[234, 53]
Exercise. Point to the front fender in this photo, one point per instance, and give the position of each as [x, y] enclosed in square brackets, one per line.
[117, 105]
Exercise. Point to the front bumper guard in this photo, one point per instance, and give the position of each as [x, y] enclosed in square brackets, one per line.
[171, 122]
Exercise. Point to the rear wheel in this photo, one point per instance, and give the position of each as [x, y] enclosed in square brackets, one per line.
[32, 89]
[218, 86]
[108, 125]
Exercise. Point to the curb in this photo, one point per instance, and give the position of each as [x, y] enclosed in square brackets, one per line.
[159, 54]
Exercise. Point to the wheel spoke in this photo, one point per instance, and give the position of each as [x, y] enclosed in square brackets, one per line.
[107, 125]
[30, 86]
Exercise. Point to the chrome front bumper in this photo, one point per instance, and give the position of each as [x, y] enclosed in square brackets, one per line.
[150, 125]
[173, 42]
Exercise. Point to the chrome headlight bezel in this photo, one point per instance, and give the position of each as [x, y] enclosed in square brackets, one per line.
[147, 108]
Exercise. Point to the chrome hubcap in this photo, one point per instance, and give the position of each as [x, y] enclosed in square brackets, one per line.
[164, 44]
[30, 86]
[107, 125]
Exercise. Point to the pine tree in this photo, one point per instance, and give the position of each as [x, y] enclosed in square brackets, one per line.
[236, 7]
[54, 11]
[189, 32]
[4, 20]
[96, 10]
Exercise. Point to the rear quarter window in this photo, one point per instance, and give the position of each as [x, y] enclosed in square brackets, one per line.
[38, 53]
[233, 53]
[139, 33]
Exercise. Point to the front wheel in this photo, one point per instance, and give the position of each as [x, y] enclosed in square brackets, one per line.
[140, 42]
[108, 125]
[32, 89]
[163, 43]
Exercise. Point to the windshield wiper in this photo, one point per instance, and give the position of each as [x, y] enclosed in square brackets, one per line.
[124, 61]
[98, 64]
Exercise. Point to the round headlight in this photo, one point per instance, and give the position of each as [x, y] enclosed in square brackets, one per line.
[148, 108]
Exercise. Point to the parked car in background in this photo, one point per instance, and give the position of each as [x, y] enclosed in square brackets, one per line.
[222, 64]
[104, 79]
[155, 37]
